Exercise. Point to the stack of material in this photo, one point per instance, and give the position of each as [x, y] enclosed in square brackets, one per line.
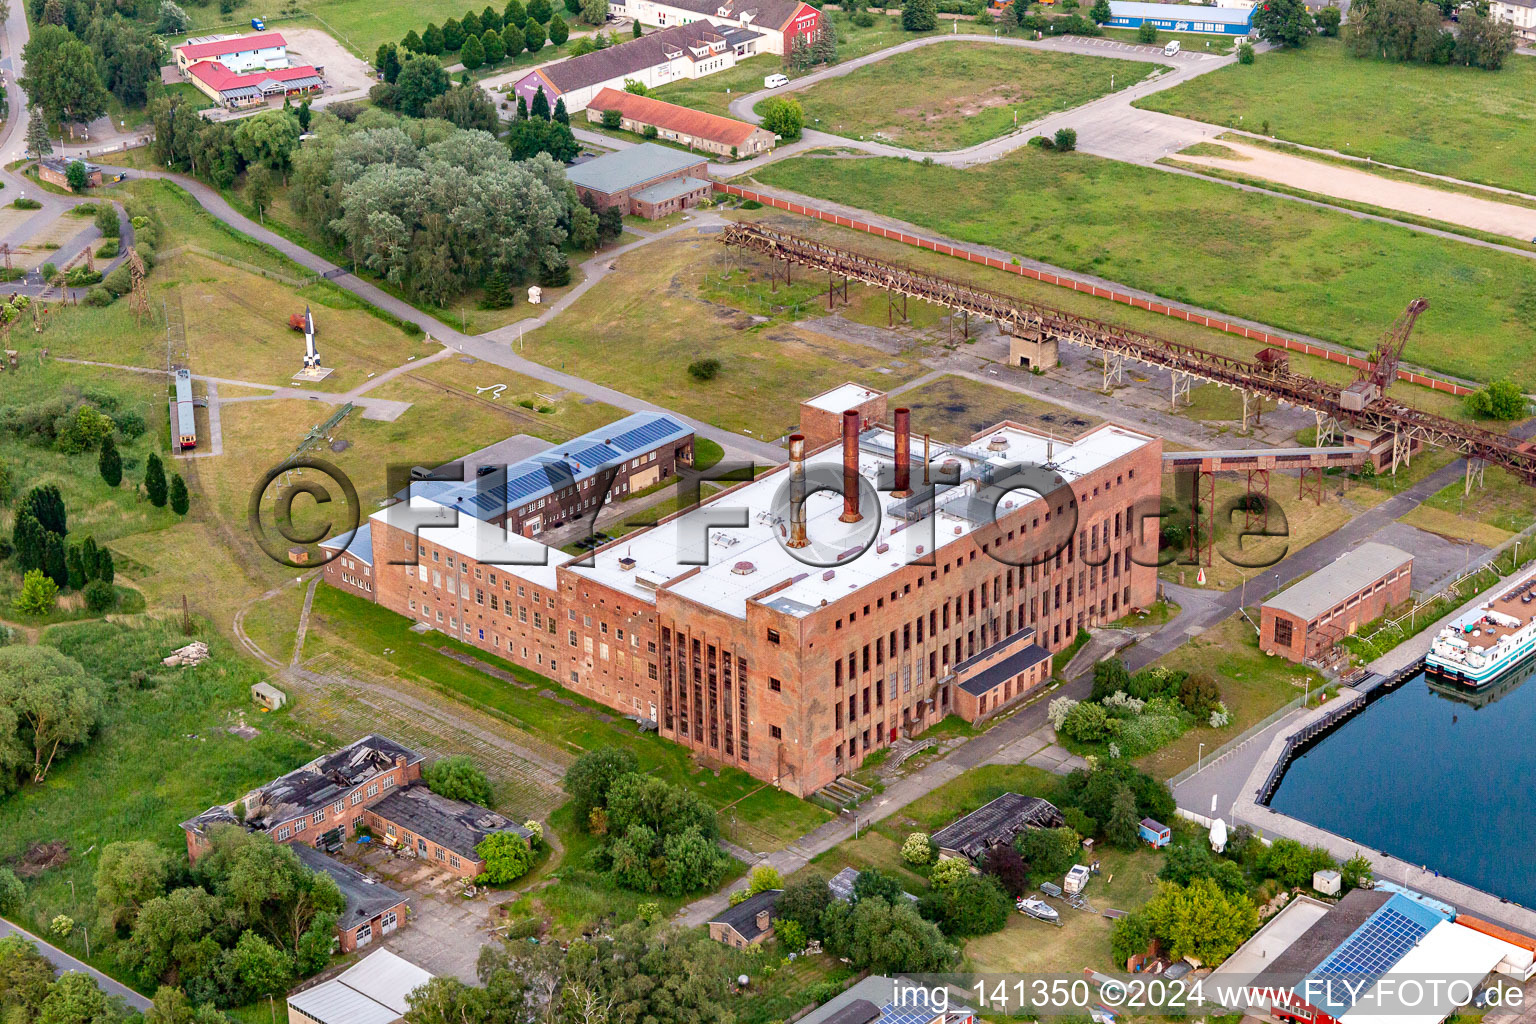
[195, 653]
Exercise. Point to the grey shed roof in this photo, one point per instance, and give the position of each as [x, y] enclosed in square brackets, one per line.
[997, 822]
[672, 188]
[1020, 661]
[1357, 569]
[372, 991]
[452, 824]
[366, 899]
[743, 916]
[626, 168]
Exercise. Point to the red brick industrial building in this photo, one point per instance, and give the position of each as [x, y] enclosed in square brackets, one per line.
[1306, 619]
[795, 664]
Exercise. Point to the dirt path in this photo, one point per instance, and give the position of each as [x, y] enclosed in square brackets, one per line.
[1364, 187]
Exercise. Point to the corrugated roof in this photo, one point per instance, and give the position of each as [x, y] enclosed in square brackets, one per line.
[372, 991]
[727, 131]
[626, 168]
[236, 44]
[1336, 583]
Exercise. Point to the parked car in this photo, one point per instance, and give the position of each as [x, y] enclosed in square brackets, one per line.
[775, 81]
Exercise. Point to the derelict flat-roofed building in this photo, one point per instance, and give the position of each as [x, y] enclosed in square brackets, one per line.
[996, 824]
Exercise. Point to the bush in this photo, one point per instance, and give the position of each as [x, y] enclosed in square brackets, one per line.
[507, 857]
[649, 131]
[784, 117]
[1049, 852]
[863, 19]
[918, 849]
[1501, 400]
[947, 872]
[1066, 139]
[27, 204]
[975, 905]
[106, 220]
[1086, 723]
[119, 282]
[1147, 33]
[704, 369]
[554, 270]
[1245, 53]
[612, 119]
[100, 595]
[99, 297]
[1198, 693]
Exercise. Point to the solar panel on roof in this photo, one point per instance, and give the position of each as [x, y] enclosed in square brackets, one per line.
[592, 456]
[485, 503]
[1374, 947]
[645, 435]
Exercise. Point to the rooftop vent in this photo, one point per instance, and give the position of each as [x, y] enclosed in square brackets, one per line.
[743, 568]
[882, 548]
[626, 564]
[998, 444]
[829, 574]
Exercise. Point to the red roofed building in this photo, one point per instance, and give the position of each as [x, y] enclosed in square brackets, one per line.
[780, 21]
[695, 129]
[240, 54]
[230, 90]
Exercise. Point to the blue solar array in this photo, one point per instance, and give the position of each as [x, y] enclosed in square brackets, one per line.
[1377, 945]
[559, 467]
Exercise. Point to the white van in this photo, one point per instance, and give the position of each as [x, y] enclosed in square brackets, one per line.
[1171, 49]
[775, 81]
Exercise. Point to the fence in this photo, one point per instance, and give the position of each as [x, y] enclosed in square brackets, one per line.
[230, 261]
[1237, 741]
[1097, 291]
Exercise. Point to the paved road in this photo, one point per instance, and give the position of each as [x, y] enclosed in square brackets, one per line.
[64, 963]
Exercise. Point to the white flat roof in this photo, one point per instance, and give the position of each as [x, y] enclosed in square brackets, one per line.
[432, 523]
[371, 991]
[695, 545]
[1278, 934]
[842, 398]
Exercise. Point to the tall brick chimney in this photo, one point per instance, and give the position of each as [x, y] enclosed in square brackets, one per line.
[850, 467]
[797, 537]
[903, 453]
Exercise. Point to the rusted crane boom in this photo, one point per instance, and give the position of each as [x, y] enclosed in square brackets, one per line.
[1376, 378]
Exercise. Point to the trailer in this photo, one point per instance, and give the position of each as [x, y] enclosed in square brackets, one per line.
[1154, 833]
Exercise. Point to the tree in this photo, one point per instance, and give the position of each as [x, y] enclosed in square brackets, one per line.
[784, 117]
[1086, 723]
[62, 77]
[1200, 920]
[55, 562]
[495, 49]
[470, 24]
[591, 776]
[560, 115]
[917, 849]
[507, 857]
[304, 115]
[512, 39]
[76, 999]
[529, 137]
[1100, 12]
[104, 568]
[172, 20]
[258, 192]
[919, 16]
[1110, 676]
[54, 701]
[255, 968]
[593, 12]
[1006, 865]
[948, 871]
[638, 30]
[412, 43]
[1123, 826]
[1283, 22]
[74, 568]
[100, 595]
[38, 594]
[154, 480]
[269, 139]
[1065, 139]
[421, 79]
[432, 40]
[539, 11]
[453, 36]
[490, 20]
[128, 55]
[884, 938]
[109, 463]
[559, 31]
[1049, 851]
[1483, 42]
[804, 901]
[1500, 400]
[12, 893]
[25, 977]
[1356, 872]
[764, 879]
[129, 875]
[875, 884]
[1293, 864]
[1129, 937]
[975, 905]
[514, 13]
[472, 53]
[533, 37]
[540, 105]
[387, 62]
[459, 778]
[1146, 32]
[1328, 20]
[180, 499]
[38, 142]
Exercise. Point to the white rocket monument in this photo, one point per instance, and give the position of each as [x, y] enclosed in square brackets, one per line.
[311, 357]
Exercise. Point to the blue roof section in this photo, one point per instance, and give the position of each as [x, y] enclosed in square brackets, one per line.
[357, 543]
[1373, 949]
[554, 469]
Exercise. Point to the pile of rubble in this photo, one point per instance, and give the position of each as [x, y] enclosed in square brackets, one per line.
[195, 653]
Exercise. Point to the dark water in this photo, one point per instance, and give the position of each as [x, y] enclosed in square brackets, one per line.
[1434, 781]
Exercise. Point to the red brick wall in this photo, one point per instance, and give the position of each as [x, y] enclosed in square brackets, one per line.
[822, 426]
[347, 935]
[347, 573]
[465, 864]
[1310, 638]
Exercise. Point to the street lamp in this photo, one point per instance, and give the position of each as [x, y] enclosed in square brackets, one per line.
[1199, 757]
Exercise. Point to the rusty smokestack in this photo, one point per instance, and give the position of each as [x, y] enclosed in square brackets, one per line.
[903, 453]
[797, 537]
[850, 467]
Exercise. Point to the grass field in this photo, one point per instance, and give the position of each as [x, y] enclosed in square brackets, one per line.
[1308, 270]
[642, 328]
[1462, 122]
[971, 92]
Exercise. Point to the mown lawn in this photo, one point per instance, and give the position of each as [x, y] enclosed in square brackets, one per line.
[971, 92]
[1463, 122]
[1272, 260]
